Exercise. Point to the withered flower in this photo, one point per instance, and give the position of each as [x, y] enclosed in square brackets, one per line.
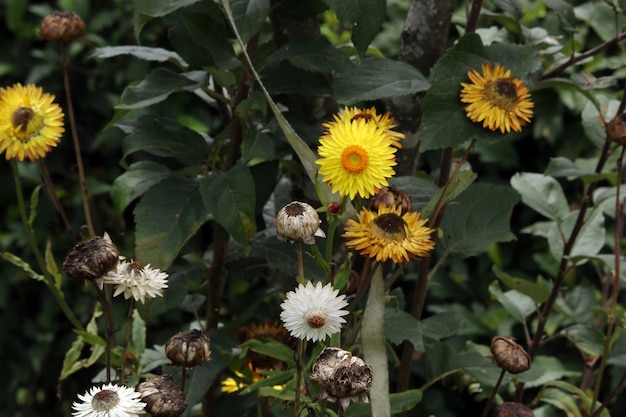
[390, 196]
[512, 409]
[342, 376]
[298, 221]
[162, 396]
[92, 259]
[188, 349]
[61, 27]
[509, 355]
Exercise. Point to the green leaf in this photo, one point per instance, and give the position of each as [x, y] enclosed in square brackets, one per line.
[20, 263]
[203, 376]
[535, 290]
[542, 194]
[230, 197]
[167, 138]
[421, 191]
[138, 335]
[568, 402]
[249, 16]
[272, 348]
[442, 358]
[34, 201]
[589, 241]
[399, 402]
[146, 53]
[316, 55]
[588, 340]
[158, 8]
[51, 265]
[565, 13]
[568, 85]
[518, 305]
[477, 218]
[158, 86]
[602, 18]
[401, 326]
[166, 217]
[374, 78]
[461, 183]
[136, 181]
[363, 17]
[72, 362]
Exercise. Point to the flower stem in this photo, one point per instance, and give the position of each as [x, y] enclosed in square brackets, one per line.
[301, 279]
[79, 159]
[110, 331]
[494, 391]
[299, 371]
[55, 197]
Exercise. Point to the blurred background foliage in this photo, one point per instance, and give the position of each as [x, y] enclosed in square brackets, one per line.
[202, 93]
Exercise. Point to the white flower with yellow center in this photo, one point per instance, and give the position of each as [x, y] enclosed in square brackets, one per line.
[136, 281]
[109, 400]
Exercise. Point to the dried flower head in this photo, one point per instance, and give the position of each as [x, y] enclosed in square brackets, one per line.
[313, 312]
[390, 196]
[509, 355]
[109, 401]
[512, 409]
[188, 349]
[92, 259]
[61, 26]
[298, 221]
[135, 280]
[342, 376]
[162, 396]
[616, 129]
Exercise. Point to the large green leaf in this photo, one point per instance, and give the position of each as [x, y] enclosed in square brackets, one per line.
[230, 197]
[249, 15]
[569, 398]
[542, 194]
[166, 217]
[202, 378]
[363, 17]
[374, 78]
[460, 183]
[158, 86]
[272, 348]
[142, 52]
[518, 305]
[399, 402]
[136, 181]
[589, 241]
[538, 291]
[478, 218]
[401, 326]
[588, 340]
[157, 8]
[308, 54]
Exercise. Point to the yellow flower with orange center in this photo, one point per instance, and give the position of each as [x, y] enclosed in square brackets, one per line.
[356, 158]
[383, 121]
[31, 123]
[494, 98]
[389, 235]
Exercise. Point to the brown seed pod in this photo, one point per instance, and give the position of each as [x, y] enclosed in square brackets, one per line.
[188, 349]
[92, 258]
[512, 409]
[390, 196]
[61, 27]
[509, 355]
[162, 396]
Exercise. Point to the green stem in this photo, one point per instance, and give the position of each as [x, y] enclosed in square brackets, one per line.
[48, 278]
[299, 372]
[110, 330]
[301, 279]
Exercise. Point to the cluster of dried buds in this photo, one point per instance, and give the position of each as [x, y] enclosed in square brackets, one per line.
[188, 349]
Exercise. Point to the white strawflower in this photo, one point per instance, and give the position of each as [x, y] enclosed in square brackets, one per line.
[109, 401]
[298, 221]
[137, 281]
[313, 312]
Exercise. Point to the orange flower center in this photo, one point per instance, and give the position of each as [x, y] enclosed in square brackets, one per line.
[390, 227]
[502, 93]
[354, 159]
[105, 400]
[315, 318]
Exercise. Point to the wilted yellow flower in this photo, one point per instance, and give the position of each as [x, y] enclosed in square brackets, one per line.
[494, 98]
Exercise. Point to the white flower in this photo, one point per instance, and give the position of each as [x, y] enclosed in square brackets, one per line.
[313, 312]
[109, 401]
[137, 281]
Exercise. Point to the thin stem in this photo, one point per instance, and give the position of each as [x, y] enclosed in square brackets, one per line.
[48, 278]
[472, 18]
[301, 279]
[613, 394]
[79, 158]
[110, 331]
[129, 323]
[494, 391]
[299, 371]
[183, 379]
[55, 197]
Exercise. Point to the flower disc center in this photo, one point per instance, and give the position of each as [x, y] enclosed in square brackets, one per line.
[354, 159]
[315, 318]
[105, 400]
[502, 93]
[390, 227]
[294, 209]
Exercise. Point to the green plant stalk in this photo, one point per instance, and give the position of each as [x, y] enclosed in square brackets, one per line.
[110, 330]
[79, 158]
[374, 347]
[299, 372]
[129, 321]
[49, 280]
[301, 279]
[611, 319]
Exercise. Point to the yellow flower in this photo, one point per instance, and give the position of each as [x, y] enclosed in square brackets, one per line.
[496, 99]
[31, 123]
[356, 158]
[383, 121]
[389, 234]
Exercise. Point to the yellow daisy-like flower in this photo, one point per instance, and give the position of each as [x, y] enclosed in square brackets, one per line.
[383, 121]
[389, 235]
[31, 123]
[356, 158]
[496, 99]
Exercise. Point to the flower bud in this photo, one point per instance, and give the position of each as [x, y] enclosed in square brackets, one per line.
[188, 349]
[509, 355]
[334, 208]
[390, 196]
[92, 258]
[162, 396]
[616, 129]
[298, 221]
[61, 27]
[512, 409]
[342, 376]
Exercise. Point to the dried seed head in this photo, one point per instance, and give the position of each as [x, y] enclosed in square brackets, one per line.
[162, 396]
[509, 355]
[61, 27]
[390, 196]
[342, 376]
[616, 129]
[512, 409]
[188, 349]
[92, 258]
[298, 221]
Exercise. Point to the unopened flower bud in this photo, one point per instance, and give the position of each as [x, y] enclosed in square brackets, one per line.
[334, 208]
[342, 376]
[162, 396]
[298, 221]
[512, 409]
[62, 27]
[509, 355]
[92, 258]
[390, 196]
[188, 349]
[616, 129]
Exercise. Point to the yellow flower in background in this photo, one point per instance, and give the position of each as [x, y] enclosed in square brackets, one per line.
[31, 123]
[383, 121]
[356, 158]
[389, 235]
[494, 98]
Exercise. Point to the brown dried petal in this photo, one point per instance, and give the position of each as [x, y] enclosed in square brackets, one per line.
[509, 355]
[512, 409]
[91, 259]
[162, 396]
[390, 196]
[61, 27]
[188, 349]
